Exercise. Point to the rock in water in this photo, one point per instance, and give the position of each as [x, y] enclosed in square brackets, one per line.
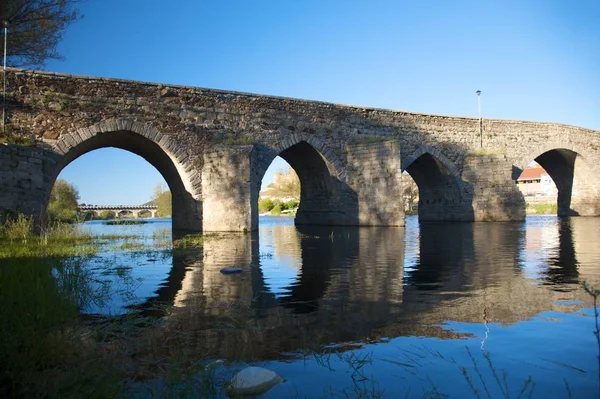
[231, 270]
[253, 381]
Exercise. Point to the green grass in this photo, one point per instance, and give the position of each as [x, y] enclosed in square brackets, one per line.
[17, 240]
[43, 352]
[541, 209]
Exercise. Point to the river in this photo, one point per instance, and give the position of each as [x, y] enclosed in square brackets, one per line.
[405, 312]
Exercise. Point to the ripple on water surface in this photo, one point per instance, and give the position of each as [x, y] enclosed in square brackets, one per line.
[425, 304]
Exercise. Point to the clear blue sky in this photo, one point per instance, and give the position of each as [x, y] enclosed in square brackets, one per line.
[532, 59]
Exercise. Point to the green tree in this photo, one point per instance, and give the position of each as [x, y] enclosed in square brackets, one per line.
[35, 27]
[265, 205]
[63, 202]
[292, 204]
[276, 211]
[163, 199]
[106, 215]
[410, 192]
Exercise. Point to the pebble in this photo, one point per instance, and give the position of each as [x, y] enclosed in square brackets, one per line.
[253, 381]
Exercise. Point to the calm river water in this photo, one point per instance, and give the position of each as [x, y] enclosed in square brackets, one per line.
[409, 312]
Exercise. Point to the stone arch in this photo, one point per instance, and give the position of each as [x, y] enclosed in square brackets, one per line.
[434, 153]
[331, 158]
[145, 213]
[441, 190]
[576, 179]
[549, 146]
[321, 173]
[161, 151]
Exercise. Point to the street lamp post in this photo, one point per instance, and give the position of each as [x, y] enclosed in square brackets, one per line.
[478, 92]
[5, 25]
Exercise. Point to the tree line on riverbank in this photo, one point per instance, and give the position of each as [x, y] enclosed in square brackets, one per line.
[64, 199]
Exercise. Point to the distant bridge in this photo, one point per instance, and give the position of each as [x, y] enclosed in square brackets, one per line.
[120, 210]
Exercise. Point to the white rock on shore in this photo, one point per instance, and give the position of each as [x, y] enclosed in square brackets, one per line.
[253, 381]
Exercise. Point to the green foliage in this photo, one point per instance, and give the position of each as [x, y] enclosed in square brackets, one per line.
[35, 27]
[106, 215]
[410, 193]
[42, 351]
[291, 204]
[276, 211]
[542, 209]
[265, 205]
[238, 141]
[62, 206]
[17, 240]
[163, 199]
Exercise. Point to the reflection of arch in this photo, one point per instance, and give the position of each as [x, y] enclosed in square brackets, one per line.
[441, 192]
[575, 178]
[143, 140]
[319, 170]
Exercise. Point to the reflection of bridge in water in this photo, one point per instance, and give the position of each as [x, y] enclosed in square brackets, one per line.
[121, 210]
[358, 283]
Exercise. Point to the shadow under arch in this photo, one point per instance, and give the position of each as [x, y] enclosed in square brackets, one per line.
[576, 180]
[186, 209]
[441, 196]
[322, 187]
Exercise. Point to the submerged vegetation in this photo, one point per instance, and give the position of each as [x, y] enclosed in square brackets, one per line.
[125, 222]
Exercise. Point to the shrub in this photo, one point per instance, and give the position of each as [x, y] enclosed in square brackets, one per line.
[276, 209]
[265, 205]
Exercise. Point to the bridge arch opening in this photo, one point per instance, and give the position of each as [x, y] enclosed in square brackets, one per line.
[309, 180]
[439, 194]
[153, 154]
[567, 183]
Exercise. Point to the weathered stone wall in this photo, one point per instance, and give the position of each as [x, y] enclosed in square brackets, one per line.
[175, 127]
[25, 174]
[226, 189]
[374, 175]
[493, 196]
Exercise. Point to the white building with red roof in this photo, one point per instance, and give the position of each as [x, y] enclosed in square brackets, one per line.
[536, 182]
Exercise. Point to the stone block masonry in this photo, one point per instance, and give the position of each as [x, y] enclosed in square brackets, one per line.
[213, 147]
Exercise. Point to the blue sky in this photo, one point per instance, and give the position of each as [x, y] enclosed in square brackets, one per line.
[532, 59]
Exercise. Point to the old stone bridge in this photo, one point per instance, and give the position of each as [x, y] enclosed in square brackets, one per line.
[121, 210]
[213, 148]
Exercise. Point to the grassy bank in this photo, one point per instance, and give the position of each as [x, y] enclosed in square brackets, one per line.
[541, 209]
[18, 240]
